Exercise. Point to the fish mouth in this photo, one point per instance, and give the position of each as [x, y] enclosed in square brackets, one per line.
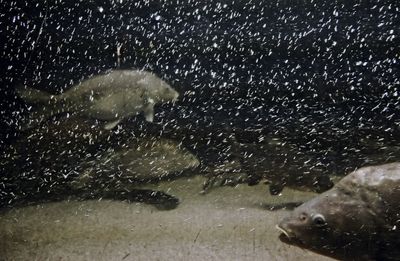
[194, 164]
[285, 232]
[287, 236]
[173, 100]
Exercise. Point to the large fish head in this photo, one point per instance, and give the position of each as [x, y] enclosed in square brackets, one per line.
[163, 92]
[170, 158]
[331, 221]
[168, 93]
[182, 158]
[191, 160]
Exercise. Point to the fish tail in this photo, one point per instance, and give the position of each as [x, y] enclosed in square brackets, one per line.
[46, 106]
[33, 96]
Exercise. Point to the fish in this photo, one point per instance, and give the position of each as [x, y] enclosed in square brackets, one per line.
[110, 97]
[278, 164]
[282, 165]
[139, 161]
[118, 174]
[358, 219]
[76, 159]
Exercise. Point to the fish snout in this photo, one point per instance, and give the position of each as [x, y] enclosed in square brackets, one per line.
[195, 162]
[286, 231]
[172, 97]
[175, 97]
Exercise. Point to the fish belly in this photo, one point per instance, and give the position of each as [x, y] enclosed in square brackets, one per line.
[113, 107]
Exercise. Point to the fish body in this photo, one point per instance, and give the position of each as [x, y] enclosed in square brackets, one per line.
[77, 159]
[137, 162]
[269, 160]
[110, 97]
[282, 165]
[358, 219]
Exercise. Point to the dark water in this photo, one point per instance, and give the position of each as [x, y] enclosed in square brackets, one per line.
[321, 76]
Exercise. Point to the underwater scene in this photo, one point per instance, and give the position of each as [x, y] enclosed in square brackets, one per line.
[200, 130]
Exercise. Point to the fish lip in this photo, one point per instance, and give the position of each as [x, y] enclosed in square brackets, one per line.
[289, 237]
[285, 232]
[174, 99]
[288, 234]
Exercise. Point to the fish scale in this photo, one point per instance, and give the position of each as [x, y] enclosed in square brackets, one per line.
[357, 219]
[110, 97]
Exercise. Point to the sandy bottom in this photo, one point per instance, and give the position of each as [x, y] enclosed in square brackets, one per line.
[225, 224]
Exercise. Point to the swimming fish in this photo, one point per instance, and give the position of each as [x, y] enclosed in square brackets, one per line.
[358, 219]
[110, 97]
[281, 165]
[138, 161]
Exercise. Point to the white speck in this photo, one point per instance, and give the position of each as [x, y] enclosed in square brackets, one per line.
[335, 13]
[101, 9]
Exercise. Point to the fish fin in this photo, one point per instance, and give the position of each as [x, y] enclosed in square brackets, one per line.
[33, 96]
[47, 105]
[149, 111]
[111, 125]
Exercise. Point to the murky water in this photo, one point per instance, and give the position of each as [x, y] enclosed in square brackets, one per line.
[293, 94]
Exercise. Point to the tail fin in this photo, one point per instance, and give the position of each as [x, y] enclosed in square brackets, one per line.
[46, 106]
[33, 96]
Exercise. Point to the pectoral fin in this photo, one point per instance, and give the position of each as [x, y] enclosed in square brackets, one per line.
[111, 125]
[149, 112]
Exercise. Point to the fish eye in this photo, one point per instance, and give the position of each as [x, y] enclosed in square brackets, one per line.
[303, 217]
[319, 220]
